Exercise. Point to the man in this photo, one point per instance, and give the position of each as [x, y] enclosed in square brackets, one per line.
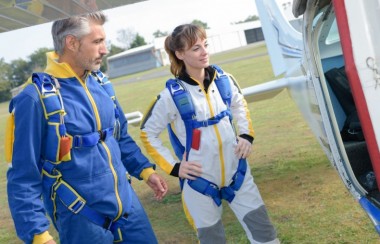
[71, 146]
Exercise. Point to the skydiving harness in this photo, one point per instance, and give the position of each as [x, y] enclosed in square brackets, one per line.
[185, 106]
[59, 144]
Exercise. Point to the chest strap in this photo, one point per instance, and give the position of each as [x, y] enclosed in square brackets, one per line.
[186, 109]
[91, 139]
[211, 121]
[76, 204]
[227, 193]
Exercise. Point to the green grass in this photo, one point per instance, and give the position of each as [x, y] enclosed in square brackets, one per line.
[306, 199]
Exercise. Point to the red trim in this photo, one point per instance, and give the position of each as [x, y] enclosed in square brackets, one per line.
[356, 87]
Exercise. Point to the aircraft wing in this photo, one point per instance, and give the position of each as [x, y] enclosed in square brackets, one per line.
[16, 14]
[271, 89]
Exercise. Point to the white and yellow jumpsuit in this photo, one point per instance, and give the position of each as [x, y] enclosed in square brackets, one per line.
[215, 154]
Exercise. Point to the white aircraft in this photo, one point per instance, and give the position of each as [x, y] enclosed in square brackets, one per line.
[330, 70]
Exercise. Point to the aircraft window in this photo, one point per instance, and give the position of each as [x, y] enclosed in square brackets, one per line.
[333, 35]
[316, 18]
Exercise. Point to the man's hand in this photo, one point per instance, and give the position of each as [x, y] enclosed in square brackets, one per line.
[158, 185]
[189, 170]
[243, 148]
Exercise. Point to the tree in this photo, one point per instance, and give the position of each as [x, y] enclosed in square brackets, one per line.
[159, 33]
[138, 41]
[112, 50]
[126, 37]
[20, 71]
[38, 59]
[5, 85]
[5, 91]
[4, 71]
[200, 23]
[248, 19]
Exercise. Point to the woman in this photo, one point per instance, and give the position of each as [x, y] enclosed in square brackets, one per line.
[198, 105]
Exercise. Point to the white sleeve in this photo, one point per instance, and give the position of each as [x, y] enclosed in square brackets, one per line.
[161, 113]
[240, 110]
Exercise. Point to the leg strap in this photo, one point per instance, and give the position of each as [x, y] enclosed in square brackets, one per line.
[207, 188]
[77, 205]
[227, 193]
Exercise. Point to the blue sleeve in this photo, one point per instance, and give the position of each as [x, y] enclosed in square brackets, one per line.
[24, 180]
[132, 157]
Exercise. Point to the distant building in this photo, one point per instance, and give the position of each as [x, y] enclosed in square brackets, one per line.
[136, 60]
[153, 55]
[234, 36]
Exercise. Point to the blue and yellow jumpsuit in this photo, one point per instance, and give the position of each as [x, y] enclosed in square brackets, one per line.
[97, 173]
[215, 154]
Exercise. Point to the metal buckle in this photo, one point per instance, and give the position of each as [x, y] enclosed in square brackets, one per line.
[99, 75]
[102, 135]
[77, 141]
[47, 87]
[77, 206]
[107, 223]
[175, 89]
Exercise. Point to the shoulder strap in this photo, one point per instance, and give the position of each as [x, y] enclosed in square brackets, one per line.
[182, 99]
[58, 143]
[185, 106]
[107, 85]
[48, 87]
[223, 84]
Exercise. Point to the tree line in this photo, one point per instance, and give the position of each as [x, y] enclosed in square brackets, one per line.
[16, 72]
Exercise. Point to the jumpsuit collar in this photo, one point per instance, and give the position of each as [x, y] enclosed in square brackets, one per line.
[59, 70]
[209, 77]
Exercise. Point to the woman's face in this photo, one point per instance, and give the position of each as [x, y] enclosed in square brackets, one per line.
[195, 57]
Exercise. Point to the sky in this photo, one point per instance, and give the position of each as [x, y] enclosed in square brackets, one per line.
[143, 18]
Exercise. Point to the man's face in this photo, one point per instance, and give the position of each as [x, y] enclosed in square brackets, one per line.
[92, 48]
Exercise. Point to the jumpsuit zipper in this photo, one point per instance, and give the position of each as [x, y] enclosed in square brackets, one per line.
[220, 146]
[99, 126]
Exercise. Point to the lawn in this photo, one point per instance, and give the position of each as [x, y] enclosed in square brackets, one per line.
[306, 199]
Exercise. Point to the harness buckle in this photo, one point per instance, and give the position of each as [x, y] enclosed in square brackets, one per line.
[47, 86]
[102, 135]
[175, 88]
[99, 75]
[205, 123]
[77, 141]
[107, 223]
[77, 206]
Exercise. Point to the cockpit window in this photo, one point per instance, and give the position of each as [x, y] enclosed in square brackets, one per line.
[333, 35]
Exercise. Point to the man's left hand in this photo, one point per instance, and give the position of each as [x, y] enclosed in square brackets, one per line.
[158, 185]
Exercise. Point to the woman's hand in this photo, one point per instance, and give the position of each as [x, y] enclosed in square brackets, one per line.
[243, 148]
[189, 170]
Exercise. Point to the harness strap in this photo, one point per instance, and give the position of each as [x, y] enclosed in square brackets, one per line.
[211, 121]
[207, 188]
[91, 139]
[107, 85]
[77, 205]
[227, 193]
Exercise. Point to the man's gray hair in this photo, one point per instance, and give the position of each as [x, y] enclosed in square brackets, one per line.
[77, 26]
